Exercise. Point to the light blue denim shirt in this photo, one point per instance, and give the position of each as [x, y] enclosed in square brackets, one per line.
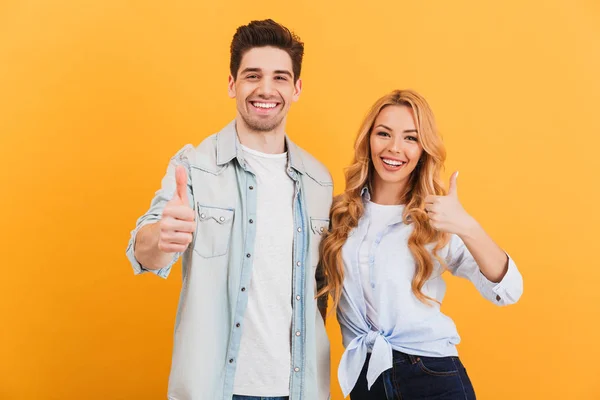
[217, 267]
[405, 323]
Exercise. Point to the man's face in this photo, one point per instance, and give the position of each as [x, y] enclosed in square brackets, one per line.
[264, 88]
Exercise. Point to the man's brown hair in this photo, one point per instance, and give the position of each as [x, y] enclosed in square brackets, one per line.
[262, 34]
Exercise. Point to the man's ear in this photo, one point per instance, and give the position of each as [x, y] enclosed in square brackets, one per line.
[231, 87]
[297, 90]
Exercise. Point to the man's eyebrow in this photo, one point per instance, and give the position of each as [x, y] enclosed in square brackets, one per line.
[277, 72]
[284, 72]
[250, 70]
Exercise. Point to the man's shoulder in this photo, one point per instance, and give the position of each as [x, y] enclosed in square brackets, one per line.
[202, 156]
[314, 168]
[208, 146]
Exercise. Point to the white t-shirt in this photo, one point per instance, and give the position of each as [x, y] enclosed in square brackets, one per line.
[379, 217]
[264, 359]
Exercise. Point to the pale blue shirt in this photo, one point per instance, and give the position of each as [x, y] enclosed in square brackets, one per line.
[217, 268]
[405, 323]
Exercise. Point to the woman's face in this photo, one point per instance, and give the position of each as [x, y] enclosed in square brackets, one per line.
[395, 148]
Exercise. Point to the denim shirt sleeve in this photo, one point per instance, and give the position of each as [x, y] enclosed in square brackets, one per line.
[321, 282]
[154, 213]
[461, 263]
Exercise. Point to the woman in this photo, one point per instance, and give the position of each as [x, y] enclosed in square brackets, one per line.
[394, 231]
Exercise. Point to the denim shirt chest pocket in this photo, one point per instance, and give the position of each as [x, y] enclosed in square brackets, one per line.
[319, 227]
[213, 231]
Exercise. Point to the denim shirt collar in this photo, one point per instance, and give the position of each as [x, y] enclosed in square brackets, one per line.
[229, 147]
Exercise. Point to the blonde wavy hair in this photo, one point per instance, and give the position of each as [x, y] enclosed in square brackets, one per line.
[348, 207]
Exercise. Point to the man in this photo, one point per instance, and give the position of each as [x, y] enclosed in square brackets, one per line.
[246, 209]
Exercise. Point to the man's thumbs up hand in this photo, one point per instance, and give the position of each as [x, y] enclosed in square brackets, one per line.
[177, 224]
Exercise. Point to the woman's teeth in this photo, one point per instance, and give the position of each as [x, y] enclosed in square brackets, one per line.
[393, 163]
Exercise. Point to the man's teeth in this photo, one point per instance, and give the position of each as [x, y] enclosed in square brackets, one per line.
[393, 162]
[265, 105]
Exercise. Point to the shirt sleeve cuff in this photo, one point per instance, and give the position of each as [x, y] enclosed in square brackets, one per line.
[508, 290]
[139, 268]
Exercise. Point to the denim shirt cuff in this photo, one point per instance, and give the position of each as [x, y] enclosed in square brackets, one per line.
[139, 268]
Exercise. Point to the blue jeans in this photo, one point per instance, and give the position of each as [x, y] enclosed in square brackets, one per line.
[417, 378]
[238, 397]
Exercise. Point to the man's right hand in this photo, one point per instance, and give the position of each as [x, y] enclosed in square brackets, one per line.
[178, 223]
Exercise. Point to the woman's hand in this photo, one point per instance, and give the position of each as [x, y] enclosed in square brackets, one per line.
[446, 214]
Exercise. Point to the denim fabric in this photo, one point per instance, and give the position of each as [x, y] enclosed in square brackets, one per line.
[417, 378]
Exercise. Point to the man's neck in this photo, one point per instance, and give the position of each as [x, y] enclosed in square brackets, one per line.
[270, 142]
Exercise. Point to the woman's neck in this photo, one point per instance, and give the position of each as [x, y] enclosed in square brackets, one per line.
[388, 194]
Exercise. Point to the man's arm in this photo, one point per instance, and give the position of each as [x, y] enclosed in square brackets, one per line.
[321, 300]
[146, 248]
[157, 243]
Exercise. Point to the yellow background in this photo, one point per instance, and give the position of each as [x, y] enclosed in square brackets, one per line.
[96, 95]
